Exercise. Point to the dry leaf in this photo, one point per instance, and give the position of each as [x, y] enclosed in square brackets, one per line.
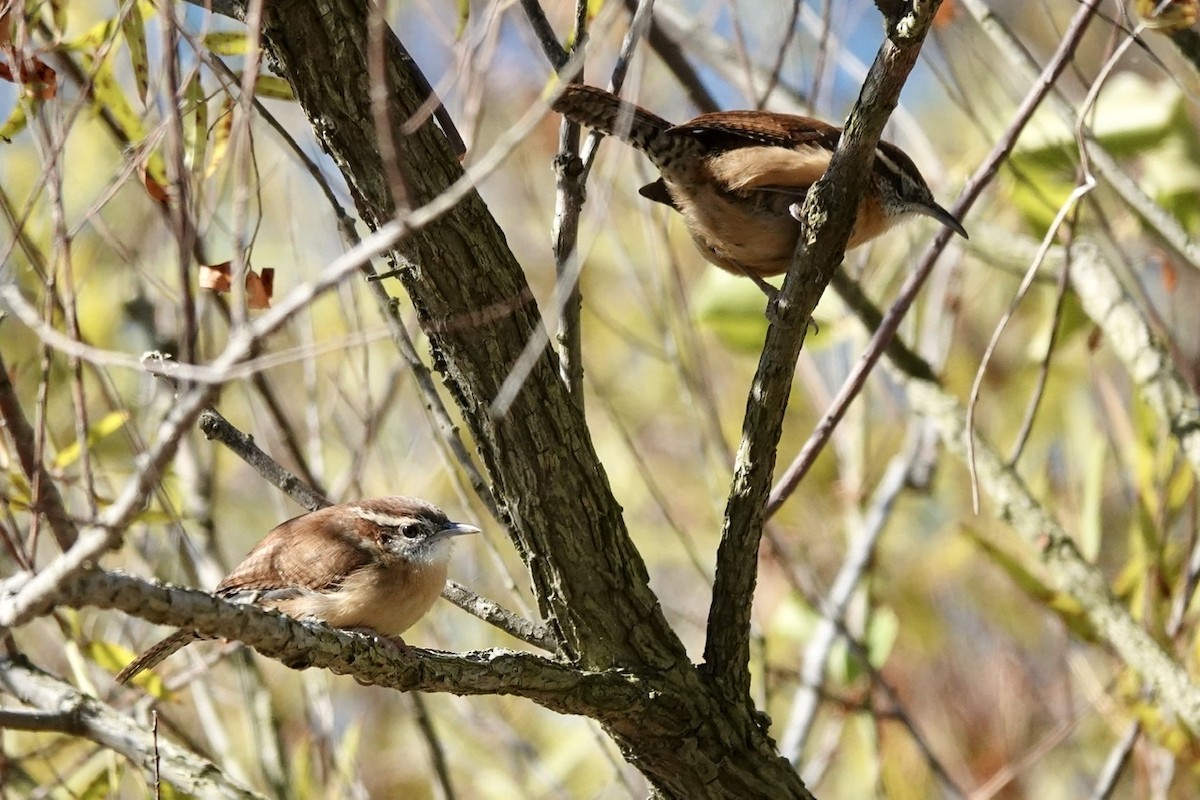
[39, 78]
[946, 14]
[260, 288]
[157, 192]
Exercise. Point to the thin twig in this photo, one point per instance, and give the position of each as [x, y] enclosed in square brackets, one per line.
[890, 324]
[818, 254]
[437, 753]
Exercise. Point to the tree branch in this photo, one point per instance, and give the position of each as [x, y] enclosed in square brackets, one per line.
[304, 644]
[828, 215]
[20, 433]
[71, 712]
[1127, 331]
[473, 302]
[885, 327]
[1069, 571]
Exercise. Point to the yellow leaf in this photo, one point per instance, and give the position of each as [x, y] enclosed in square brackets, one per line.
[113, 657]
[221, 131]
[1066, 607]
[99, 35]
[270, 86]
[110, 424]
[464, 16]
[58, 17]
[108, 95]
[16, 122]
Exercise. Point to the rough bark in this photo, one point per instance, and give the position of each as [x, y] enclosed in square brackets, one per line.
[474, 304]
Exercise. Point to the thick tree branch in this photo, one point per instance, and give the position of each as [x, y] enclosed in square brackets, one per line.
[298, 644]
[828, 216]
[475, 306]
[474, 303]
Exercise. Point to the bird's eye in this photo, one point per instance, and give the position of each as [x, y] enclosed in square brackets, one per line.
[412, 531]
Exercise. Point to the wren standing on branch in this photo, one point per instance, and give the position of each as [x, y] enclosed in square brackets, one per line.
[372, 564]
[740, 177]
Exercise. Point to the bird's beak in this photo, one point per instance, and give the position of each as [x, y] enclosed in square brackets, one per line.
[457, 529]
[943, 216]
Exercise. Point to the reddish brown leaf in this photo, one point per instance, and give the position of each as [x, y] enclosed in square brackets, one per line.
[157, 192]
[947, 12]
[216, 276]
[38, 78]
[1170, 274]
[260, 288]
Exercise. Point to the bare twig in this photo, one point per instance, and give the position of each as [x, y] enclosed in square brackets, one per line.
[12, 415]
[888, 326]
[819, 252]
[65, 709]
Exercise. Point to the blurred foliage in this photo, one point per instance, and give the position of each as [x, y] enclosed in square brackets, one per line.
[998, 672]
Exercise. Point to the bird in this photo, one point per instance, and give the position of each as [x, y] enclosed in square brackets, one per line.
[374, 564]
[740, 177]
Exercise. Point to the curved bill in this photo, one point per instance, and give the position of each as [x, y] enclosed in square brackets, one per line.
[457, 529]
[943, 216]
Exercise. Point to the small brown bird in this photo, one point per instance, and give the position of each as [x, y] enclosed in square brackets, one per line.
[372, 564]
[739, 177]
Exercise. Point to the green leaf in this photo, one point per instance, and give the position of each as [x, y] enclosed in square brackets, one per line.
[732, 308]
[195, 131]
[133, 26]
[1091, 526]
[227, 43]
[882, 632]
[99, 784]
[1065, 606]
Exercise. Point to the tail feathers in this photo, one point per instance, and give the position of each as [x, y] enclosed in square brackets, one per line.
[155, 655]
[605, 112]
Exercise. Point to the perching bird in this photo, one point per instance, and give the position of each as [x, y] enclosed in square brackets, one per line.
[371, 564]
[739, 177]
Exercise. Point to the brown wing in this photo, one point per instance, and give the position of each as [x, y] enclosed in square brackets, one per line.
[313, 551]
[728, 129]
[762, 151]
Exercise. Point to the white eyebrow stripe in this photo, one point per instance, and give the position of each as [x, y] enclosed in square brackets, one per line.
[887, 161]
[385, 520]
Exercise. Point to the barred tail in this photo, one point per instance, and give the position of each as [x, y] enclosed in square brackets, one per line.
[156, 654]
[605, 112]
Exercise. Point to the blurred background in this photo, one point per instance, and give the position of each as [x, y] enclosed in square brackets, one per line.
[970, 675]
